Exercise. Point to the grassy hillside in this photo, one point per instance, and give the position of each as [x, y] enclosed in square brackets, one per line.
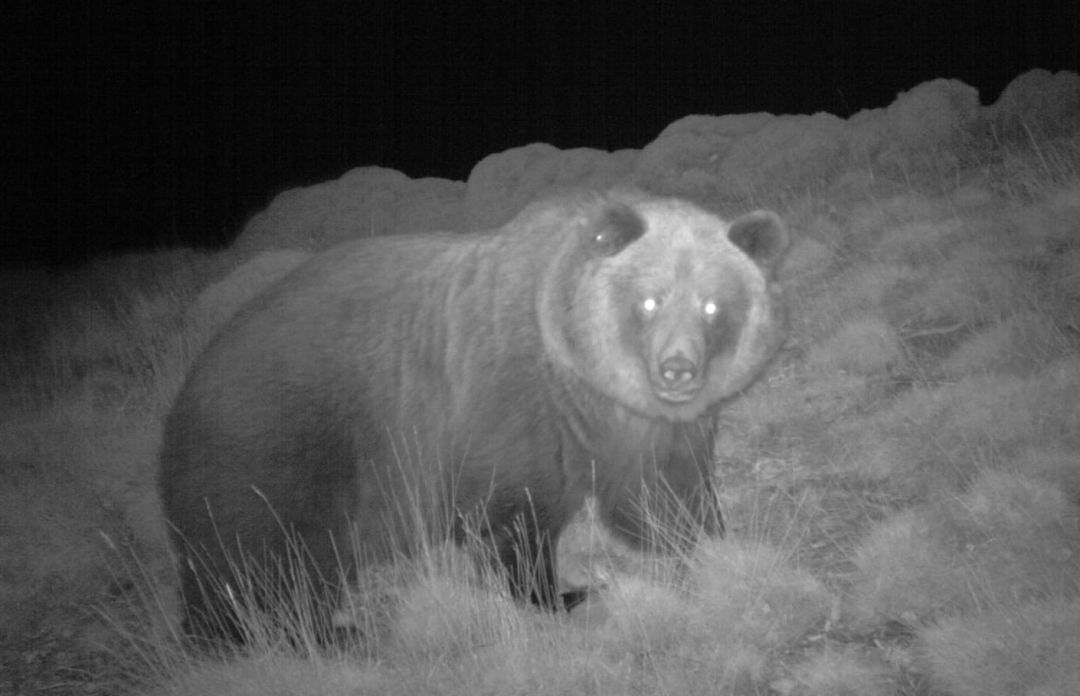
[901, 491]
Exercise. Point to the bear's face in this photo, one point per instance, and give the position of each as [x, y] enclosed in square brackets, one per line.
[672, 310]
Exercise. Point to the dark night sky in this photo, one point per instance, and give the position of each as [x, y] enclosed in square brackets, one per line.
[135, 124]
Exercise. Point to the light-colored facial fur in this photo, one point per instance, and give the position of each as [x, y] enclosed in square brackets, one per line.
[683, 275]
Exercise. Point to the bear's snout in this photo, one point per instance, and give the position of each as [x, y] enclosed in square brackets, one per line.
[677, 371]
[677, 378]
[678, 349]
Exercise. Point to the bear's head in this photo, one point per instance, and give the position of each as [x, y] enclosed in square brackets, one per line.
[662, 306]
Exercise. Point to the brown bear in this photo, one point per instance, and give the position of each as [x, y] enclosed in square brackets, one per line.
[417, 381]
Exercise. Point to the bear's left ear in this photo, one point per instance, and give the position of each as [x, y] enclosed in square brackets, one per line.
[762, 235]
[613, 230]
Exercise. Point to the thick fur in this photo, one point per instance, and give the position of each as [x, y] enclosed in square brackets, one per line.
[400, 385]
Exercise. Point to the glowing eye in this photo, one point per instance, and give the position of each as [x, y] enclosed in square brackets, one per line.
[649, 305]
[710, 309]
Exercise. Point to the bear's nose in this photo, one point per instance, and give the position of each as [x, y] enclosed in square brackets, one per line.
[677, 371]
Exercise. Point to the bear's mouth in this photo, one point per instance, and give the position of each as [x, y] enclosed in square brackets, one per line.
[677, 381]
[677, 396]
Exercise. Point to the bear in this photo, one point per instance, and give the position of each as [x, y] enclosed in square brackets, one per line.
[399, 386]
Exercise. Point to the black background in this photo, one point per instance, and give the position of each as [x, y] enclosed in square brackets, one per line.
[134, 125]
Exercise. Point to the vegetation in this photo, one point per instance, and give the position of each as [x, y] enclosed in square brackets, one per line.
[902, 492]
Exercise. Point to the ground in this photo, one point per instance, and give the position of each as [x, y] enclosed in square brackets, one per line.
[902, 490]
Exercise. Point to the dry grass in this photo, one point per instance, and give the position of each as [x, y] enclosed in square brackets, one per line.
[848, 671]
[901, 493]
[1028, 648]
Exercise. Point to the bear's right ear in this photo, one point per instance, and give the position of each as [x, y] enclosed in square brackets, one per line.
[762, 235]
[613, 230]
